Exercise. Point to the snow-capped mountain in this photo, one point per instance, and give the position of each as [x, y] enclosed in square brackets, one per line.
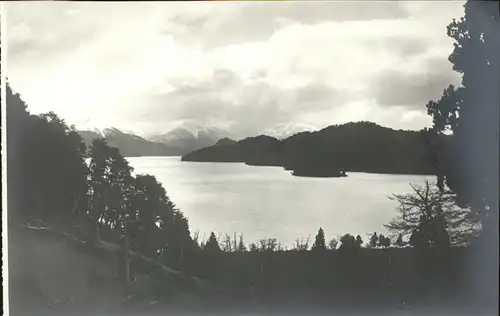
[191, 136]
[285, 130]
[129, 144]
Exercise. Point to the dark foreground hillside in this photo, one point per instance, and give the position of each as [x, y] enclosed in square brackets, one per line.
[52, 273]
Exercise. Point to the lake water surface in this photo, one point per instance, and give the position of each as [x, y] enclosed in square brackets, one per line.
[268, 202]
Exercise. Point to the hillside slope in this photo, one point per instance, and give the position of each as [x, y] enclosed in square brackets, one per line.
[356, 147]
[50, 270]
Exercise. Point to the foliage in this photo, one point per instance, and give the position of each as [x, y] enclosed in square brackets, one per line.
[332, 244]
[270, 245]
[431, 217]
[373, 241]
[301, 244]
[399, 241]
[53, 185]
[212, 245]
[359, 146]
[359, 241]
[253, 247]
[319, 243]
[349, 242]
[468, 164]
[241, 245]
[383, 241]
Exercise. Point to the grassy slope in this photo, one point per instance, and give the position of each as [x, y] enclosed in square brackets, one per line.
[48, 269]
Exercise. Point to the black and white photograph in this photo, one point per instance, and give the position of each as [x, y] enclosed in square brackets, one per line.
[250, 157]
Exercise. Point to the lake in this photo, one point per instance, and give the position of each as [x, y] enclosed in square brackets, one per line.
[268, 202]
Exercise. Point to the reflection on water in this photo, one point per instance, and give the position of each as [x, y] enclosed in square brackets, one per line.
[268, 202]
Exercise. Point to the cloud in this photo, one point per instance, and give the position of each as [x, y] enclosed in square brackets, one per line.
[146, 66]
[413, 89]
[253, 22]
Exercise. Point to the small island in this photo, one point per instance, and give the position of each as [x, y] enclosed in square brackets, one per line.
[316, 166]
[337, 173]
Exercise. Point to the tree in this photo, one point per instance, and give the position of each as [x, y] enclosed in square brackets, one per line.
[383, 241]
[253, 247]
[301, 244]
[154, 211]
[241, 245]
[469, 162]
[53, 186]
[373, 241]
[348, 242]
[269, 244]
[226, 244]
[111, 187]
[359, 241]
[432, 218]
[399, 241]
[212, 246]
[332, 245]
[319, 243]
[17, 131]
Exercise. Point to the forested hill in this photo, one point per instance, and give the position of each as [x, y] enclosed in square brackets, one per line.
[357, 147]
[131, 145]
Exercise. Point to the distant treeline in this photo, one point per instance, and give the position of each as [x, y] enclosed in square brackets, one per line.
[356, 147]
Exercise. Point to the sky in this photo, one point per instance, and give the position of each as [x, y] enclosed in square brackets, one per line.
[244, 66]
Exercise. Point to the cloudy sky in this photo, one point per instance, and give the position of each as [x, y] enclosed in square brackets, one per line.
[147, 67]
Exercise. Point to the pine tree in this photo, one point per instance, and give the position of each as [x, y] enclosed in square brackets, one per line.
[319, 243]
[212, 245]
[373, 240]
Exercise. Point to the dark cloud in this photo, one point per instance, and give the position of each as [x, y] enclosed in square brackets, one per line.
[250, 22]
[402, 45]
[414, 90]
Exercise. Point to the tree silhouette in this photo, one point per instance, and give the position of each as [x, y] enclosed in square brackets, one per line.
[348, 242]
[399, 241]
[241, 245]
[384, 241]
[269, 244]
[373, 240]
[212, 246]
[359, 241]
[53, 186]
[301, 244]
[253, 247]
[227, 244]
[111, 187]
[319, 243]
[468, 163]
[432, 218]
[332, 245]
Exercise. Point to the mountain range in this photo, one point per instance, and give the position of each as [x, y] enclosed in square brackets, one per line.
[180, 140]
[131, 145]
[355, 147]
[191, 138]
[176, 142]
